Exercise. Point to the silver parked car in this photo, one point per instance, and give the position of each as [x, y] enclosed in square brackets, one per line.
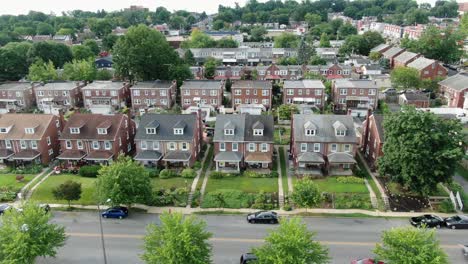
[465, 250]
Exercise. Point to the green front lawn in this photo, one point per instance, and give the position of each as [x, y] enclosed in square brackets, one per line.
[9, 180]
[282, 136]
[331, 185]
[177, 182]
[44, 194]
[242, 183]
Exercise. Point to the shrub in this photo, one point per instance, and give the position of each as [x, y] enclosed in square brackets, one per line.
[219, 174]
[170, 197]
[153, 172]
[349, 179]
[197, 165]
[8, 193]
[253, 174]
[287, 207]
[30, 169]
[90, 171]
[263, 201]
[359, 172]
[306, 193]
[352, 201]
[446, 207]
[189, 173]
[166, 174]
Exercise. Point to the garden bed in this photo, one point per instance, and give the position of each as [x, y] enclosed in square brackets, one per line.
[403, 201]
[10, 186]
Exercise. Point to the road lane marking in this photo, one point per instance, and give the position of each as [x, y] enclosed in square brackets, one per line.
[244, 240]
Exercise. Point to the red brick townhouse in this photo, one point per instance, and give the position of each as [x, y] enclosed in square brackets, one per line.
[29, 138]
[156, 94]
[428, 69]
[106, 97]
[170, 140]
[17, 96]
[391, 54]
[51, 97]
[356, 96]
[323, 144]
[455, 89]
[373, 138]
[304, 92]
[202, 92]
[243, 142]
[405, 58]
[96, 138]
[252, 92]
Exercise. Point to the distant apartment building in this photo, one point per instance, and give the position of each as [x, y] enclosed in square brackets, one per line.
[246, 56]
[252, 92]
[202, 92]
[156, 94]
[55, 96]
[104, 97]
[17, 96]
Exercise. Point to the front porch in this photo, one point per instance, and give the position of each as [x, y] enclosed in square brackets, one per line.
[341, 163]
[310, 163]
[177, 159]
[149, 158]
[100, 157]
[27, 156]
[228, 161]
[255, 161]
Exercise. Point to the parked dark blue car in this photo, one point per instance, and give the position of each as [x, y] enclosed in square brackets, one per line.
[119, 212]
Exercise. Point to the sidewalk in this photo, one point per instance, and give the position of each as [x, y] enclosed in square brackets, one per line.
[184, 210]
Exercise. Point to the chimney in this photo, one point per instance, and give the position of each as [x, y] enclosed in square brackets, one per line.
[61, 118]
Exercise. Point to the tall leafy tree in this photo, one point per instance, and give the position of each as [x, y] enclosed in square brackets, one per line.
[324, 41]
[81, 52]
[405, 78]
[50, 51]
[143, 54]
[43, 28]
[286, 40]
[199, 39]
[414, 139]
[124, 182]
[80, 70]
[306, 193]
[189, 58]
[304, 52]
[42, 71]
[257, 33]
[12, 65]
[226, 43]
[69, 191]
[109, 41]
[92, 45]
[346, 30]
[291, 243]
[443, 45]
[210, 67]
[177, 240]
[410, 245]
[312, 19]
[26, 235]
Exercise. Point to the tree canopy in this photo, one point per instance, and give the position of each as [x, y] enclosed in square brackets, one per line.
[42, 71]
[286, 40]
[405, 78]
[414, 139]
[69, 191]
[80, 70]
[57, 53]
[306, 193]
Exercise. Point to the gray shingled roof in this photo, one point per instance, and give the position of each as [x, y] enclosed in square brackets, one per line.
[228, 156]
[252, 84]
[310, 157]
[416, 97]
[325, 131]
[349, 83]
[16, 86]
[59, 86]
[380, 47]
[303, 84]
[158, 84]
[101, 85]
[406, 56]
[458, 82]
[341, 157]
[421, 63]
[392, 52]
[243, 128]
[177, 156]
[165, 131]
[201, 84]
[148, 155]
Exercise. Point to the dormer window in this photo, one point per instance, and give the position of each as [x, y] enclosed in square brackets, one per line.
[340, 129]
[258, 132]
[29, 130]
[229, 132]
[74, 130]
[178, 131]
[310, 129]
[310, 132]
[151, 130]
[340, 132]
[102, 131]
[3, 130]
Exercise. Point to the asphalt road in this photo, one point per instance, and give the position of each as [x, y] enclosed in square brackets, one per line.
[347, 238]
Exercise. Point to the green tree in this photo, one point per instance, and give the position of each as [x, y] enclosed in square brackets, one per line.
[346, 30]
[405, 78]
[66, 31]
[353, 45]
[100, 26]
[375, 56]
[43, 28]
[414, 139]
[286, 40]
[42, 72]
[124, 182]
[80, 70]
[103, 75]
[143, 54]
[109, 41]
[304, 52]
[199, 40]
[464, 25]
[81, 52]
[317, 60]
[306, 193]
[210, 67]
[416, 16]
[12, 65]
[410, 245]
[218, 24]
[69, 191]
[177, 240]
[324, 41]
[286, 110]
[226, 43]
[291, 243]
[312, 19]
[50, 51]
[92, 45]
[180, 73]
[258, 33]
[370, 39]
[26, 235]
[189, 58]
[442, 45]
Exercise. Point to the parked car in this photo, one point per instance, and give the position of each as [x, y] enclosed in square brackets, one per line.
[465, 251]
[367, 261]
[428, 220]
[117, 212]
[389, 91]
[457, 222]
[247, 258]
[4, 208]
[267, 217]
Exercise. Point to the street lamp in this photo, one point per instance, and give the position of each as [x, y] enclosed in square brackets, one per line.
[102, 232]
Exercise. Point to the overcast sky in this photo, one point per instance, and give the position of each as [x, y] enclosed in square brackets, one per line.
[57, 6]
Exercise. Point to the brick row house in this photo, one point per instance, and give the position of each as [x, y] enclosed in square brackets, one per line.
[355, 96]
[55, 96]
[243, 142]
[405, 58]
[252, 92]
[29, 138]
[156, 94]
[305, 91]
[202, 92]
[455, 89]
[96, 138]
[17, 96]
[391, 54]
[381, 48]
[428, 69]
[170, 140]
[416, 99]
[106, 97]
[373, 139]
[323, 144]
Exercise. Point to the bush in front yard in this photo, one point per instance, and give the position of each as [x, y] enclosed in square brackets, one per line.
[8, 193]
[188, 173]
[349, 179]
[170, 197]
[220, 175]
[90, 171]
[306, 193]
[166, 174]
[446, 207]
[30, 169]
[197, 165]
[153, 172]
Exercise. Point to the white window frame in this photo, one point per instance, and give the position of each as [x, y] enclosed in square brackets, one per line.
[185, 146]
[8, 143]
[155, 145]
[68, 144]
[136, 92]
[264, 147]
[310, 132]
[334, 147]
[79, 144]
[347, 147]
[151, 131]
[318, 92]
[343, 91]
[303, 147]
[95, 145]
[102, 131]
[172, 146]
[143, 145]
[33, 144]
[290, 91]
[178, 131]
[235, 146]
[238, 92]
[340, 133]
[74, 130]
[316, 147]
[258, 132]
[107, 145]
[252, 147]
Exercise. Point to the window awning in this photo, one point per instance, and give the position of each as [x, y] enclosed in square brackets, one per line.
[28, 154]
[229, 60]
[100, 155]
[5, 153]
[258, 157]
[177, 156]
[298, 99]
[341, 157]
[148, 155]
[310, 157]
[228, 156]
